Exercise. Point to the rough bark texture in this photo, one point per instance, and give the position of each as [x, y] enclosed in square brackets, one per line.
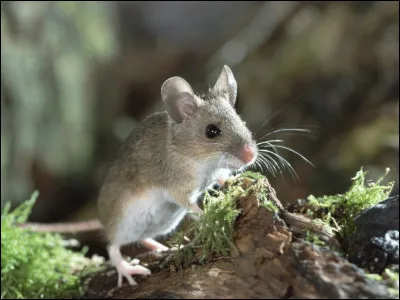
[268, 260]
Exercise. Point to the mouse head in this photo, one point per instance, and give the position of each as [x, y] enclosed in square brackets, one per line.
[207, 128]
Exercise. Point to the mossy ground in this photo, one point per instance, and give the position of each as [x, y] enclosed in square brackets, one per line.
[390, 277]
[37, 265]
[212, 236]
[339, 211]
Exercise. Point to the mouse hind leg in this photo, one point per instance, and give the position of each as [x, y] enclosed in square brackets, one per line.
[153, 245]
[124, 269]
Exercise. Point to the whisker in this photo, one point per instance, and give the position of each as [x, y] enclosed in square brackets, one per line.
[288, 130]
[278, 112]
[266, 164]
[256, 166]
[295, 152]
[269, 142]
[284, 163]
[273, 162]
[262, 167]
[270, 162]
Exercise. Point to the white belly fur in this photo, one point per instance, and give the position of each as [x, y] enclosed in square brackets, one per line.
[154, 214]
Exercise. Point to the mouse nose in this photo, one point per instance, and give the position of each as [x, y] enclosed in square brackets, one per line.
[247, 154]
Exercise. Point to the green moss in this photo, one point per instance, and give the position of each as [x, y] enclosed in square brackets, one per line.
[263, 196]
[270, 206]
[393, 281]
[394, 276]
[394, 292]
[389, 278]
[375, 277]
[252, 175]
[341, 209]
[314, 239]
[37, 265]
[212, 234]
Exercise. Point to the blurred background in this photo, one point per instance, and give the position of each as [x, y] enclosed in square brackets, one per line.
[77, 76]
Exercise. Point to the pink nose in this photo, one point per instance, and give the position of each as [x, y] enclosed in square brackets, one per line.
[247, 154]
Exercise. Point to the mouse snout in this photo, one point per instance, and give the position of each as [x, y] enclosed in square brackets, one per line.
[247, 154]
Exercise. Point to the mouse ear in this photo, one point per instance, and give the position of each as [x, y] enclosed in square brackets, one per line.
[226, 83]
[178, 98]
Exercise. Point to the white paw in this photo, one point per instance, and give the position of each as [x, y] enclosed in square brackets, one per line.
[134, 262]
[176, 248]
[126, 270]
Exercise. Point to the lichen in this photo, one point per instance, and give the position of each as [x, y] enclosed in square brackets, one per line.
[341, 209]
[37, 265]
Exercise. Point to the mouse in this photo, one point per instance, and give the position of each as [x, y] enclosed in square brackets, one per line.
[166, 162]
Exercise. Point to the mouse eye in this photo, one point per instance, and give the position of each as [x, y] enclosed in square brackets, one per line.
[212, 131]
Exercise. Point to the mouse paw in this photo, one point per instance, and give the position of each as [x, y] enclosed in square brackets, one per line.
[221, 181]
[176, 248]
[124, 269]
[153, 245]
[196, 209]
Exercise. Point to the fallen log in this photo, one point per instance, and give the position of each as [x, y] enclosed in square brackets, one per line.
[269, 257]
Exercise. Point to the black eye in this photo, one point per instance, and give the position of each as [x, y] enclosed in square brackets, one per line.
[212, 131]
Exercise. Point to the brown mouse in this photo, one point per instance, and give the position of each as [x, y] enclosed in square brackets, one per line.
[166, 163]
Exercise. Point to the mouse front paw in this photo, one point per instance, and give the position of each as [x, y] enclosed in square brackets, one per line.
[196, 209]
[221, 181]
[222, 176]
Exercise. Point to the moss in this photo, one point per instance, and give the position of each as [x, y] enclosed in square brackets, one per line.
[394, 292]
[251, 174]
[392, 275]
[37, 265]
[389, 278]
[270, 206]
[314, 239]
[263, 196]
[375, 277]
[212, 234]
[341, 209]
[393, 281]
